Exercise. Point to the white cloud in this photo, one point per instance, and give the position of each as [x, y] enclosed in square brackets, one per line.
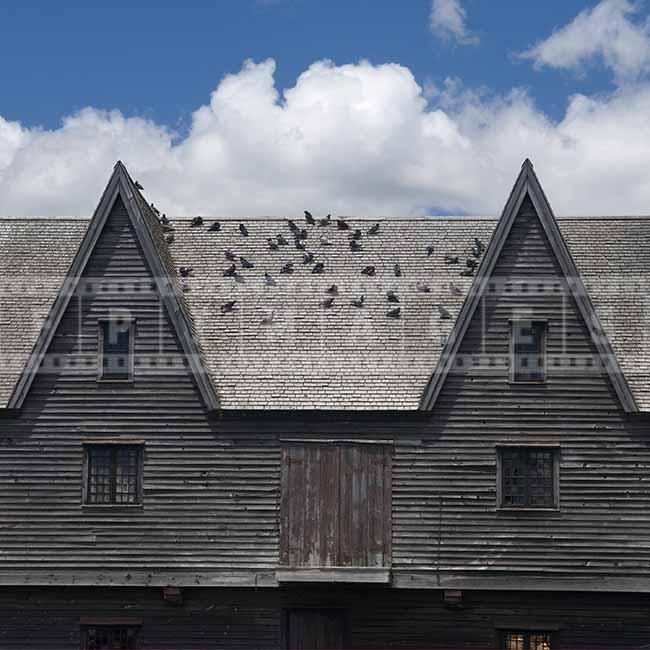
[448, 21]
[350, 139]
[607, 32]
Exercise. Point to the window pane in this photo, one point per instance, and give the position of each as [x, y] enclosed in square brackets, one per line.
[103, 637]
[540, 478]
[116, 347]
[528, 350]
[99, 474]
[513, 641]
[527, 477]
[113, 473]
[540, 642]
[526, 641]
[126, 475]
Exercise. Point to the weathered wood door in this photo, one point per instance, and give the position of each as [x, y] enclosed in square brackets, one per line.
[336, 506]
[315, 629]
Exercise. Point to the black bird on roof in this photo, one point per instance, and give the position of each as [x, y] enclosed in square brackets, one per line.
[327, 303]
[268, 279]
[243, 230]
[325, 221]
[471, 264]
[342, 225]
[287, 268]
[333, 290]
[374, 230]
[230, 271]
[185, 271]
[245, 264]
[358, 302]
[269, 319]
[394, 313]
[398, 271]
[282, 241]
[292, 226]
[451, 259]
[455, 290]
[300, 245]
[309, 218]
[215, 226]
[170, 237]
[355, 245]
[356, 234]
[154, 209]
[138, 186]
[368, 270]
[164, 220]
[423, 288]
[318, 268]
[227, 307]
[430, 250]
[307, 258]
[392, 297]
[476, 251]
[229, 255]
[444, 314]
[197, 221]
[273, 245]
[479, 244]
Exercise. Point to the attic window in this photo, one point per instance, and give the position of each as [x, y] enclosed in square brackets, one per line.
[528, 351]
[116, 349]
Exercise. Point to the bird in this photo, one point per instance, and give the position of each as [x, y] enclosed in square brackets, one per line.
[245, 264]
[391, 296]
[307, 258]
[394, 313]
[309, 218]
[243, 230]
[327, 303]
[215, 226]
[398, 271]
[368, 270]
[423, 288]
[455, 290]
[269, 319]
[229, 255]
[154, 209]
[476, 251]
[479, 244]
[273, 245]
[301, 233]
[430, 250]
[282, 241]
[292, 226]
[138, 186]
[287, 268]
[444, 314]
[471, 264]
[170, 237]
[324, 241]
[333, 290]
[325, 221]
[318, 268]
[358, 302]
[374, 230]
[300, 245]
[227, 307]
[356, 234]
[164, 220]
[355, 245]
[268, 279]
[342, 225]
[230, 272]
[185, 271]
[197, 221]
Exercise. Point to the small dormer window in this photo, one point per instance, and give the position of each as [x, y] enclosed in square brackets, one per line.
[528, 351]
[116, 349]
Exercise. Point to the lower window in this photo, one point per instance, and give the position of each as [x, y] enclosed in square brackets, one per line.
[109, 637]
[113, 474]
[514, 640]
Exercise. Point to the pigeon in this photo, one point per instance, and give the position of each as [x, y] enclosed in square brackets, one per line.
[356, 234]
[324, 241]
[342, 225]
[292, 226]
[327, 303]
[196, 221]
[155, 210]
[302, 234]
[230, 272]
[273, 245]
[243, 230]
[423, 288]
[282, 241]
[398, 271]
[391, 296]
[307, 258]
[444, 314]
[170, 237]
[333, 290]
[268, 279]
[215, 226]
[456, 291]
[309, 218]
[369, 271]
[325, 221]
[164, 220]
[227, 307]
[430, 250]
[245, 264]
[476, 251]
[479, 244]
[355, 245]
[358, 302]
[268, 320]
[471, 264]
[185, 271]
[318, 268]
[229, 255]
[300, 245]
[394, 313]
[374, 230]
[138, 186]
[287, 268]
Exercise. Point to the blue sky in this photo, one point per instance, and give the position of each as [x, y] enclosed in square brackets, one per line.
[357, 106]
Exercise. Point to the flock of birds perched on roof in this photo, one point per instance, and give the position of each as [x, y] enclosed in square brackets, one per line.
[300, 236]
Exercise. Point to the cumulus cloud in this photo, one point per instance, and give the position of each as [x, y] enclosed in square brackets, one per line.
[609, 32]
[348, 139]
[448, 21]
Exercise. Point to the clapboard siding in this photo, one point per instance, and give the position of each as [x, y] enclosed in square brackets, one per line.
[48, 618]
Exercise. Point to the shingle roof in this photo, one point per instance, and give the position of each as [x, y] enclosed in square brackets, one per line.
[344, 357]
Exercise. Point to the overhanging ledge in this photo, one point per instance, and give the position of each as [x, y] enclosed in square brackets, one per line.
[334, 574]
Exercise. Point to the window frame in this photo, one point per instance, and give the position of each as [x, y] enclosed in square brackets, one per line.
[555, 449]
[87, 624]
[527, 633]
[114, 444]
[100, 350]
[512, 375]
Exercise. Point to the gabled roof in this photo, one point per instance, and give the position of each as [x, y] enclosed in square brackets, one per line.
[151, 239]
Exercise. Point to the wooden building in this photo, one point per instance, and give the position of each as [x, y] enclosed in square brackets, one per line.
[322, 433]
